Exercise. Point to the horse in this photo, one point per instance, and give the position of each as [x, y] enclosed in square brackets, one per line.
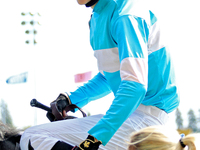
[9, 137]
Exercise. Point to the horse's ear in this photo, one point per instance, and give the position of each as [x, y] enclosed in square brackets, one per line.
[15, 139]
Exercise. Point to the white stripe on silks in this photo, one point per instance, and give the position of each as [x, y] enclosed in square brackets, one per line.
[108, 59]
[156, 38]
[134, 69]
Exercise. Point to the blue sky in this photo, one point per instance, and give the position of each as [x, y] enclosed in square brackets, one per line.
[63, 50]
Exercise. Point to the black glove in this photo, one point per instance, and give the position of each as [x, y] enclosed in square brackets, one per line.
[62, 101]
[88, 144]
[50, 116]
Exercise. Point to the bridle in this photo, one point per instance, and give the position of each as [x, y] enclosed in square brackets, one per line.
[17, 147]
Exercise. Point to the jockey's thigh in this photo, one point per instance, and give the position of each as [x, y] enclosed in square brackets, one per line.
[74, 131]
[143, 117]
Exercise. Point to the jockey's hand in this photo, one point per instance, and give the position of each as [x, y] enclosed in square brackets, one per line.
[91, 143]
[62, 102]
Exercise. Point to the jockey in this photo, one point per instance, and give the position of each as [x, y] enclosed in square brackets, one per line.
[134, 64]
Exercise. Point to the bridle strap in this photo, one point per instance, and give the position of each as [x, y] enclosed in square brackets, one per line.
[17, 147]
[72, 107]
[58, 115]
[91, 3]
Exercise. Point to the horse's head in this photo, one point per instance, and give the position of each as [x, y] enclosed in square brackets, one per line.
[9, 138]
[10, 144]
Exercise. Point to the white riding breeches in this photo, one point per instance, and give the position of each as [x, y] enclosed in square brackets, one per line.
[74, 131]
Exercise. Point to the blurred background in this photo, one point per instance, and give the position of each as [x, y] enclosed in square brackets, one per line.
[46, 43]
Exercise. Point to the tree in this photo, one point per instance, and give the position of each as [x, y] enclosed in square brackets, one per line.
[198, 121]
[5, 114]
[179, 119]
[192, 121]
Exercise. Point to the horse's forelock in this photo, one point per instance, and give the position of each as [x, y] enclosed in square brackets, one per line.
[9, 138]
[7, 132]
[2, 131]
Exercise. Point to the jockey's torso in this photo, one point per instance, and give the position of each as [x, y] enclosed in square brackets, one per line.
[133, 62]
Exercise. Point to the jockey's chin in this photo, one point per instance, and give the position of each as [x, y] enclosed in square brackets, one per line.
[82, 2]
